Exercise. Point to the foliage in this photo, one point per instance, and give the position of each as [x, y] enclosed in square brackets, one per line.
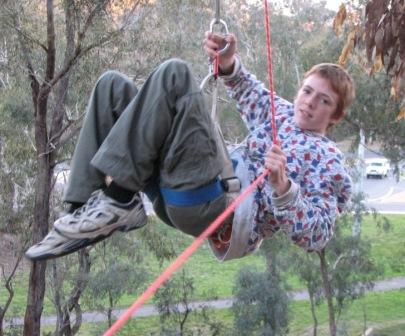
[16, 161]
[260, 305]
[375, 113]
[175, 306]
[155, 31]
[379, 34]
[261, 299]
[113, 277]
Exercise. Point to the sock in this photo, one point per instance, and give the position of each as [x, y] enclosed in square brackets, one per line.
[119, 193]
[74, 206]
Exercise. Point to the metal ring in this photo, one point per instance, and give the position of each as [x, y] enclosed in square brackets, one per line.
[225, 27]
[207, 81]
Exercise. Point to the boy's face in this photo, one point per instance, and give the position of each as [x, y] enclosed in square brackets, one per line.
[315, 104]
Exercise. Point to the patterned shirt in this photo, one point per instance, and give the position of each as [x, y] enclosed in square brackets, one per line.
[315, 166]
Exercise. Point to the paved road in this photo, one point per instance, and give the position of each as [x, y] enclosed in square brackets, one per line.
[385, 195]
[150, 310]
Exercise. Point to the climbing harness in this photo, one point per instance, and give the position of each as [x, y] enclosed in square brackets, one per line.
[229, 182]
[182, 258]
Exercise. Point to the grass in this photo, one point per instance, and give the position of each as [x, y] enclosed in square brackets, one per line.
[395, 330]
[378, 307]
[388, 248]
[213, 279]
[385, 313]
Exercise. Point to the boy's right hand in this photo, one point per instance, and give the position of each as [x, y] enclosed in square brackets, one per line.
[214, 42]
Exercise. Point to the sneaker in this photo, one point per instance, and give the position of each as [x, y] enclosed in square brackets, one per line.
[55, 245]
[100, 216]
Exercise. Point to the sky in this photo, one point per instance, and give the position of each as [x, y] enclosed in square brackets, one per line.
[330, 4]
[333, 4]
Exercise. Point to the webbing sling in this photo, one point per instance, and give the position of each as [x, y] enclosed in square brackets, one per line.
[192, 197]
[203, 194]
[227, 181]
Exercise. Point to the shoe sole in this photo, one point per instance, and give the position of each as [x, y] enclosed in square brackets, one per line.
[62, 251]
[78, 243]
[123, 225]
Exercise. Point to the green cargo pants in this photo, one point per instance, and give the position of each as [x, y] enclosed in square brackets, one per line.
[161, 136]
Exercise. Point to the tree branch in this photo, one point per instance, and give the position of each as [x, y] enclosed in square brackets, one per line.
[21, 32]
[81, 51]
[31, 72]
[59, 111]
[51, 50]
[65, 134]
[9, 285]
[89, 20]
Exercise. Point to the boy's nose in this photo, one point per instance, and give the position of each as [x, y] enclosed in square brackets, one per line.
[311, 101]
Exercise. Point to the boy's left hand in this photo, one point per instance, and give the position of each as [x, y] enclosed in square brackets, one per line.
[276, 162]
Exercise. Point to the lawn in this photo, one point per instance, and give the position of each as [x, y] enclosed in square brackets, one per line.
[385, 313]
[213, 279]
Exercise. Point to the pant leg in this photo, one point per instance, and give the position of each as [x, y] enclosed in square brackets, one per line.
[111, 94]
[166, 126]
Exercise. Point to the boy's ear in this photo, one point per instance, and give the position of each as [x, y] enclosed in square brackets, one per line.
[336, 117]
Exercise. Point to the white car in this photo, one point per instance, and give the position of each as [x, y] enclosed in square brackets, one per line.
[378, 167]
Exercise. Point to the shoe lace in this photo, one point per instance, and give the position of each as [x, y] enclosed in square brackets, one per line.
[90, 202]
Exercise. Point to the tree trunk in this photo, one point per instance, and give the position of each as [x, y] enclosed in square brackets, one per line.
[110, 309]
[36, 287]
[328, 292]
[65, 328]
[311, 299]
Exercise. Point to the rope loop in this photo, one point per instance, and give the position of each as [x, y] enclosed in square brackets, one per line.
[224, 30]
[217, 11]
[183, 257]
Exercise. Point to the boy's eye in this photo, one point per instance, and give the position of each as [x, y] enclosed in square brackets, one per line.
[326, 101]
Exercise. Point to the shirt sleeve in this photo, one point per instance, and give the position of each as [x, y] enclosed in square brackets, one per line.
[253, 99]
[309, 217]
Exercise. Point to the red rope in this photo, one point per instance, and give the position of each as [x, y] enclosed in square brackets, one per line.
[270, 72]
[182, 258]
[216, 66]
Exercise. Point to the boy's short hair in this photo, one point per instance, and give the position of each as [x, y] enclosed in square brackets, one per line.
[341, 82]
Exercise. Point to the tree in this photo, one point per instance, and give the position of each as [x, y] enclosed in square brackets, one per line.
[65, 307]
[175, 306]
[49, 78]
[114, 276]
[347, 269]
[16, 168]
[378, 34]
[173, 303]
[307, 267]
[261, 299]
[8, 285]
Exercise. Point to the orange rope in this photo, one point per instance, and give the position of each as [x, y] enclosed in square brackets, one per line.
[182, 258]
[216, 66]
[270, 72]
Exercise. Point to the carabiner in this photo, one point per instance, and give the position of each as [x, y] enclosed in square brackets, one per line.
[225, 28]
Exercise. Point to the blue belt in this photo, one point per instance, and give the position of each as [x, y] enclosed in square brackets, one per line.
[194, 196]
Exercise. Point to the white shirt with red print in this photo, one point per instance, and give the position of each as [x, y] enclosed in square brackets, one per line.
[320, 184]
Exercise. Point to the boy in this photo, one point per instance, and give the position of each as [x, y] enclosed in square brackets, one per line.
[161, 140]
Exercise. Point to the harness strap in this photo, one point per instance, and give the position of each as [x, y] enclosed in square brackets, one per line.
[227, 183]
[183, 198]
